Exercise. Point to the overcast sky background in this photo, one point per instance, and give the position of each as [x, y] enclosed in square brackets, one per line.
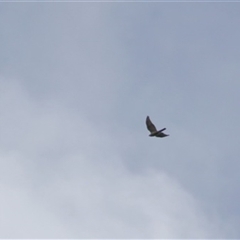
[77, 81]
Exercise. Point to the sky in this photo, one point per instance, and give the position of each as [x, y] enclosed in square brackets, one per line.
[77, 81]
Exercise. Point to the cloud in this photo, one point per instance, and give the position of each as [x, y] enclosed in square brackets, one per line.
[75, 88]
[63, 177]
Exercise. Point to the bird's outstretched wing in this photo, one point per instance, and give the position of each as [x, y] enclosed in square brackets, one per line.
[150, 125]
[162, 130]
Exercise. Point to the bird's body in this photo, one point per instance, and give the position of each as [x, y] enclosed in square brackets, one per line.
[153, 131]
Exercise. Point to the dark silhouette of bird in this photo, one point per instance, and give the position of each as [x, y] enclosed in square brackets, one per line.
[153, 131]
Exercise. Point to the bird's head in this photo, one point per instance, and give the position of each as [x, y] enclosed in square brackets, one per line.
[152, 134]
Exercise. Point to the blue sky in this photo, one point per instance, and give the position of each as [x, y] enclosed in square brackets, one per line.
[77, 81]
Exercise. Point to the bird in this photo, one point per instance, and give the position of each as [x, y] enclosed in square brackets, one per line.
[153, 131]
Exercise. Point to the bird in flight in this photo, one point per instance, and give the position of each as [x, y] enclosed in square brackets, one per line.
[153, 131]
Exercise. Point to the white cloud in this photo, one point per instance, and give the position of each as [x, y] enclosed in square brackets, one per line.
[74, 148]
[61, 176]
